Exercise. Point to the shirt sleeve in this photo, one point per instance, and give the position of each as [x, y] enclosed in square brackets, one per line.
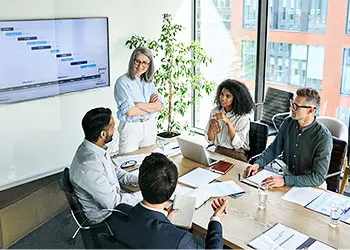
[242, 130]
[155, 91]
[122, 96]
[320, 166]
[125, 177]
[276, 147]
[96, 183]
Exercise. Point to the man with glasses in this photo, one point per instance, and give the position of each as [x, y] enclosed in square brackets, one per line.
[305, 145]
[137, 101]
[94, 178]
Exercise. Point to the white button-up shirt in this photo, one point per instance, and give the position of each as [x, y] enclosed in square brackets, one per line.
[96, 182]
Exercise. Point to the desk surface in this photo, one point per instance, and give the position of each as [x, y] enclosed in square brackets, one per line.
[244, 220]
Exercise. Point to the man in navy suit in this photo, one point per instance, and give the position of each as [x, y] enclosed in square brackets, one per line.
[147, 225]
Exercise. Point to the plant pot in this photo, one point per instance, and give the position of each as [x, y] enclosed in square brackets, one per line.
[167, 135]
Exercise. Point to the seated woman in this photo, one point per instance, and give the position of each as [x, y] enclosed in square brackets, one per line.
[229, 123]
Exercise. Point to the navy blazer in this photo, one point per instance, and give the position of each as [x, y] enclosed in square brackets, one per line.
[138, 227]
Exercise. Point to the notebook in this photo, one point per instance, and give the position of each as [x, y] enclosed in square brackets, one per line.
[255, 180]
[221, 167]
[186, 205]
[198, 177]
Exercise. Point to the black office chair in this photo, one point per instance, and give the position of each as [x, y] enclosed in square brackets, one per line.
[275, 108]
[90, 233]
[336, 164]
[258, 134]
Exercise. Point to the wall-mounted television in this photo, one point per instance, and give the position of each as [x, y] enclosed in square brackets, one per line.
[42, 58]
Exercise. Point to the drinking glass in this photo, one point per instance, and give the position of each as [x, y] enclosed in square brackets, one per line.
[263, 193]
[334, 216]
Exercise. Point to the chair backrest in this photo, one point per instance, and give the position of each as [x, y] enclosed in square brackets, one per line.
[258, 134]
[336, 163]
[276, 101]
[73, 201]
[335, 126]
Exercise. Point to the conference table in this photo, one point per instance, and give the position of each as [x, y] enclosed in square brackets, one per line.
[244, 220]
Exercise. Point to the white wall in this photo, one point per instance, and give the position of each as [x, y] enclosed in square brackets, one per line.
[39, 137]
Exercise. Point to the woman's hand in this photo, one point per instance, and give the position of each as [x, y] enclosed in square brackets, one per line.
[215, 125]
[223, 117]
[153, 98]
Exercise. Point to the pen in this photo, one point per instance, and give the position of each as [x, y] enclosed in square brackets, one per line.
[175, 147]
[225, 210]
[345, 210]
[239, 177]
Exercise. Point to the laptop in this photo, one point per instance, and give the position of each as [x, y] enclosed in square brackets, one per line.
[195, 152]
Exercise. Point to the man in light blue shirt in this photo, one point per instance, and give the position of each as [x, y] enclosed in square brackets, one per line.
[96, 181]
[137, 102]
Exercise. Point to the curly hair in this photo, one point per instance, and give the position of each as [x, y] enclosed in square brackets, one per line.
[242, 100]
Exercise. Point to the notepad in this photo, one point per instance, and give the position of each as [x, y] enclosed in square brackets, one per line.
[283, 237]
[198, 177]
[221, 167]
[186, 205]
[256, 179]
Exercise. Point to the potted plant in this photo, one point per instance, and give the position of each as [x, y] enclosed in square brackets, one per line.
[177, 75]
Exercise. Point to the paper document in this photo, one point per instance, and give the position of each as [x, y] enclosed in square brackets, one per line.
[200, 195]
[198, 177]
[220, 189]
[256, 179]
[181, 190]
[302, 195]
[279, 237]
[317, 245]
[183, 218]
[121, 159]
[324, 203]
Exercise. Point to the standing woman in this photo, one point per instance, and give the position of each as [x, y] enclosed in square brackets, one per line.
[137, 101]
[229, 123]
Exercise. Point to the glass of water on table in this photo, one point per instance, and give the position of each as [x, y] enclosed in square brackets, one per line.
[262, 193]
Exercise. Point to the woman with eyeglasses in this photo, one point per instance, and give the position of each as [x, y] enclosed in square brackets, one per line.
[229, 123]
[137, 102]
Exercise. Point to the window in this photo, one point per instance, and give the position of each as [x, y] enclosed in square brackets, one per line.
[348, 19]
[219, 30]
[345, 85]
[295, 15]
[344, 114]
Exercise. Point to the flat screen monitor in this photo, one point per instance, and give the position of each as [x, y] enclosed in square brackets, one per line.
[42, 58]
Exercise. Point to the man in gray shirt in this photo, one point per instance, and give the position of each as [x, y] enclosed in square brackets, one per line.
[305, 144]
[94, 177]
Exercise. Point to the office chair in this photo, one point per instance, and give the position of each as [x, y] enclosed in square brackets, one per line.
[275, 108]
[89, 232]
[347, 166]
[258, 134]
[339, 132]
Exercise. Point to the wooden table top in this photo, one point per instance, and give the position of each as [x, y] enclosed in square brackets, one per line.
[244, 220]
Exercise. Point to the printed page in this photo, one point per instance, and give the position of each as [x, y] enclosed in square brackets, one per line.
[302, 195]
[198, 177]
[259, 177]
[183, 218]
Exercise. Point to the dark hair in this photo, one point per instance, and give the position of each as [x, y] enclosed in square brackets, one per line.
[94, 122]
[157, 178]
[242, 100]
[311, 95]
[148, 75]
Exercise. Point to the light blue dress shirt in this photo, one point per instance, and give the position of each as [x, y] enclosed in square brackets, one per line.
[128, 91]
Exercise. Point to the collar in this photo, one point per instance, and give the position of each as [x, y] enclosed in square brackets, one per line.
[155, 210]
[308, 126]
[96, 149]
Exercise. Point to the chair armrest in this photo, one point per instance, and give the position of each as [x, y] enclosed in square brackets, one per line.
[333, 174]
[253, 158]
[278, 115]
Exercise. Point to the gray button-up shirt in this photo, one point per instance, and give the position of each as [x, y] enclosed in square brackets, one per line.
[96, 182]
[307, 153]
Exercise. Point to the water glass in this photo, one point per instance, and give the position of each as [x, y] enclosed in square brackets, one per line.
[334, 216]
[263, 193]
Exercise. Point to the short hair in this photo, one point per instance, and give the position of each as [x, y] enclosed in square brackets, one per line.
[148, 75]
[157, 178]
[311, 95]
[94, 121]
[242, 100]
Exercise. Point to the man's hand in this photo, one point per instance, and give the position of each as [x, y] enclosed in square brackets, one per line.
[153, 98]
[215, 125]
[171, 212]
[250, 170]
[220, 207]
[273, 181]
[222, 116]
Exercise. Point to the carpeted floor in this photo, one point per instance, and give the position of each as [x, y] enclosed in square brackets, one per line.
[54, 234]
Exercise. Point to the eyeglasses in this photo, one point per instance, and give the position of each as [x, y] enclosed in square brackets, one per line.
[143, 63]
[129, 163]
[296, 106]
